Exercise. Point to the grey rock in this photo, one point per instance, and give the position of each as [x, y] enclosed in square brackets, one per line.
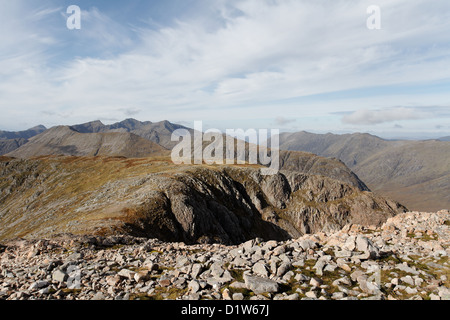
[316, 282]
[404, 267]
[238, 285]
[371, 251]
[301, 277]
[59, 276]
[311, 294]
[288, 276]
[238, 296]
[241, 262]
[260, 285]
[99, 296]
[260, 269]
[283, 268]
[343, 254]
[75, 256]
[182, 261]
[196, 270]
[409, 290]
[38, 285]
[330, 267]
[308, 244]
[434, 297]
[125, 273]
[444, 293]
[338, 295]
[217, 269]
[194, 286]
[247, 246]
[279, 250]
[408, 280]
[321, 263]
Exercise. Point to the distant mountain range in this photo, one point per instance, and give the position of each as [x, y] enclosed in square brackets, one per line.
[135, 139]
[415, 173]
[10, 141]
[158, 132]
[63, 140]
[444, 138]
[4, 135]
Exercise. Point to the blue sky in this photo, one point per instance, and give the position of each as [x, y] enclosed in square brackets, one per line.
[284, 64]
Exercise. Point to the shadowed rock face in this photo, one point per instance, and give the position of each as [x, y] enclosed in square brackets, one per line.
[194, 204]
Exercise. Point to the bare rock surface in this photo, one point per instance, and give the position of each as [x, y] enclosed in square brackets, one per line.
[405, 258]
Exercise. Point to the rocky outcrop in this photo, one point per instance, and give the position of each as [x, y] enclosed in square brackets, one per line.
[193, 204]
[405, 258]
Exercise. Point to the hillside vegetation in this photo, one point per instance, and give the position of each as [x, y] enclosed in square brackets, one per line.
[153, 198]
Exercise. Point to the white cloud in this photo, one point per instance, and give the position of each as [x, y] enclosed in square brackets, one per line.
[372, 117]
[282, 121]
[249, 53]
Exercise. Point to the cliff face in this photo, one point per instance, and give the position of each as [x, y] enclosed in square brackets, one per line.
[156, 199]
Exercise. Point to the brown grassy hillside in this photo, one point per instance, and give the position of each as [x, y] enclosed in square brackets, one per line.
[154, 198]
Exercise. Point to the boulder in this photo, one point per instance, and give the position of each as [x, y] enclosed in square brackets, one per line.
[260, 285]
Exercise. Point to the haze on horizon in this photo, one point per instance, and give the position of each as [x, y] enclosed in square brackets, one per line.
[293, 65]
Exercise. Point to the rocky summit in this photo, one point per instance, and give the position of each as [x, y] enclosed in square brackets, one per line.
[404, 258]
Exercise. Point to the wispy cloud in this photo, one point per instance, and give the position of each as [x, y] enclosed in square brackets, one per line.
[233, 55]
[281, 121]
[373, 117]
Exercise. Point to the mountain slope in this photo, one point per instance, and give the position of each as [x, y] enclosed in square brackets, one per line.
[96, 139]
[10, 141]
[9, 145]
[66, 141]
[416, 173]
[22, 134]
[155, 198]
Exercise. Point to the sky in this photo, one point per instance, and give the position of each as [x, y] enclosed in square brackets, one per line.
[292, 65]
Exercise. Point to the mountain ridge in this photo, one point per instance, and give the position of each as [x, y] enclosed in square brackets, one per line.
[26, 134]
[152, 197]
[94, 138]
[388, 167]
[63, 140]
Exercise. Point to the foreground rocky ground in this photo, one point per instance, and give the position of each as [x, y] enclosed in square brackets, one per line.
[407, 258]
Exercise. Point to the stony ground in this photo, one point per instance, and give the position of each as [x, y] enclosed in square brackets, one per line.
[407, 258]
